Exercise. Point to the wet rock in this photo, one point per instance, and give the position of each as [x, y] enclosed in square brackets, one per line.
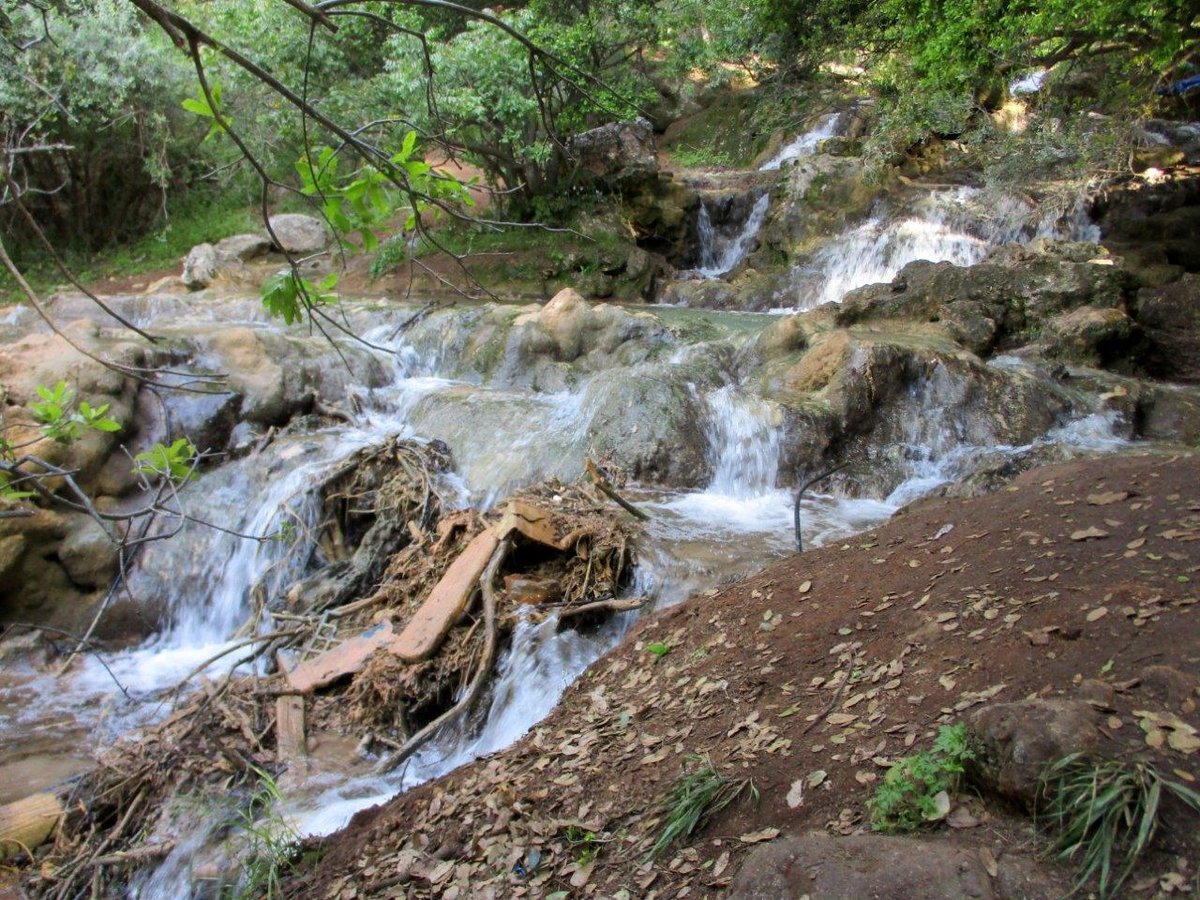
[883, 868]
[1019, 740]
[298, 233]
[88, 554]
[652, 428]
[1098, 337]
[999, 303]
[200, 267]
[1170, 315]
[663, 213]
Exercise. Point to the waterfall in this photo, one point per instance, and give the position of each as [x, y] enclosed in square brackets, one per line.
[720, 256]
[806, 144]
[744, 444]
[959, 226]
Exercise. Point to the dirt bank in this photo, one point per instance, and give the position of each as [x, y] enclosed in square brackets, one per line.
[1078, 579]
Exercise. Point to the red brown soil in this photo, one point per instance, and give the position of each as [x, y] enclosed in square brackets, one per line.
[929, 622]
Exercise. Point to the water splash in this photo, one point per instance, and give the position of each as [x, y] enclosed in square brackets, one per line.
[806, 144]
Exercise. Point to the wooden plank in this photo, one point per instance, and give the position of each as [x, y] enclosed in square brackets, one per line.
[345, 659]
[290, 741]
[447, 601]
[24, 824]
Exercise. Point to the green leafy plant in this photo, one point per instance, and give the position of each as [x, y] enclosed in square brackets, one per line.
[696, 797]
[200, 106]
[288, 296]
[1105, 813]
[585, 845]
[273, 843]
[63, 420]
[176, 462]
[658, 649]
[915, 790]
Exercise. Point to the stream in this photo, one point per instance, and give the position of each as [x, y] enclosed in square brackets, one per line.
[505, 433]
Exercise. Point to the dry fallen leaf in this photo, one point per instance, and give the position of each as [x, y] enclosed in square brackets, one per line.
[795, 794]
[1085, 534]
[764, 834]
[804, 587]
[989, 861]
[817, 778]
[1098, 613]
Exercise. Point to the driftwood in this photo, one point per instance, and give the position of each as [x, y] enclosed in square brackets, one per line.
[609, 491]
[414, 743]
[24, 824]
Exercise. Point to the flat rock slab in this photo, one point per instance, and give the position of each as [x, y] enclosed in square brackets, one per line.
[819, 865]
[345, 659]
[447, 601]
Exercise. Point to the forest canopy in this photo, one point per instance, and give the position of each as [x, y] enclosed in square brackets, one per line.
[99, 98]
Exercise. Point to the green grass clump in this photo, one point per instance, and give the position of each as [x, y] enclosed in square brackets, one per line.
[696, 797]
[908, 797]
[1105, 813]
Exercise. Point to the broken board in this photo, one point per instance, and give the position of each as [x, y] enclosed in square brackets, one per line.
[345, 659]
[447, 601]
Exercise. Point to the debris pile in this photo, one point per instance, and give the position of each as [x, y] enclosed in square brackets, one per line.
[392, 638]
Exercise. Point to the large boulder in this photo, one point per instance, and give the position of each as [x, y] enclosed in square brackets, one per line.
[1097, 337]
[1018, 741]
[299, 234]
[200, 267]
[620, 151]
[820, 865]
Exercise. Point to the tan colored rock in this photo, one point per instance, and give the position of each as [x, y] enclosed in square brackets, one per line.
[821, 365]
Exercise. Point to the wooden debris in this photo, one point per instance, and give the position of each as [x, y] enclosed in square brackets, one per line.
[446, 603]
[25, 824]
[290, 742]
[345, 659]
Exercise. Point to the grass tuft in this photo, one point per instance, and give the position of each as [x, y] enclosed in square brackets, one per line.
[696, 797]
[1105, 813]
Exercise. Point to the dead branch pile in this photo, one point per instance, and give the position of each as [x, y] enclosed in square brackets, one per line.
[409, 613]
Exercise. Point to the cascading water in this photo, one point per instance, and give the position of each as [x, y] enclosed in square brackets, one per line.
[504, 436]
[806, 144]
[720, 256]
[959, 226]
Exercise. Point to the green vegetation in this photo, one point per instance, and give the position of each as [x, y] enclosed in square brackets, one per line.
[1105, 814]
[917, 788]
[273, 844]
[697, 796]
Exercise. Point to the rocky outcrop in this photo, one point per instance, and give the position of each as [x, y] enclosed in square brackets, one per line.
[618, 152]
[1000, 303]
[1170, 317]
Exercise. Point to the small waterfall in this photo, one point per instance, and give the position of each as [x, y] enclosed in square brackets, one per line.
[806, 144]
[720, 256]
[959, 226]
[744, 444]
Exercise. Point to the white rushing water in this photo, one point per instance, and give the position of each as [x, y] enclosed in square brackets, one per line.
[720, 255]
[503, 436]
[806, 144]
[959, 226]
